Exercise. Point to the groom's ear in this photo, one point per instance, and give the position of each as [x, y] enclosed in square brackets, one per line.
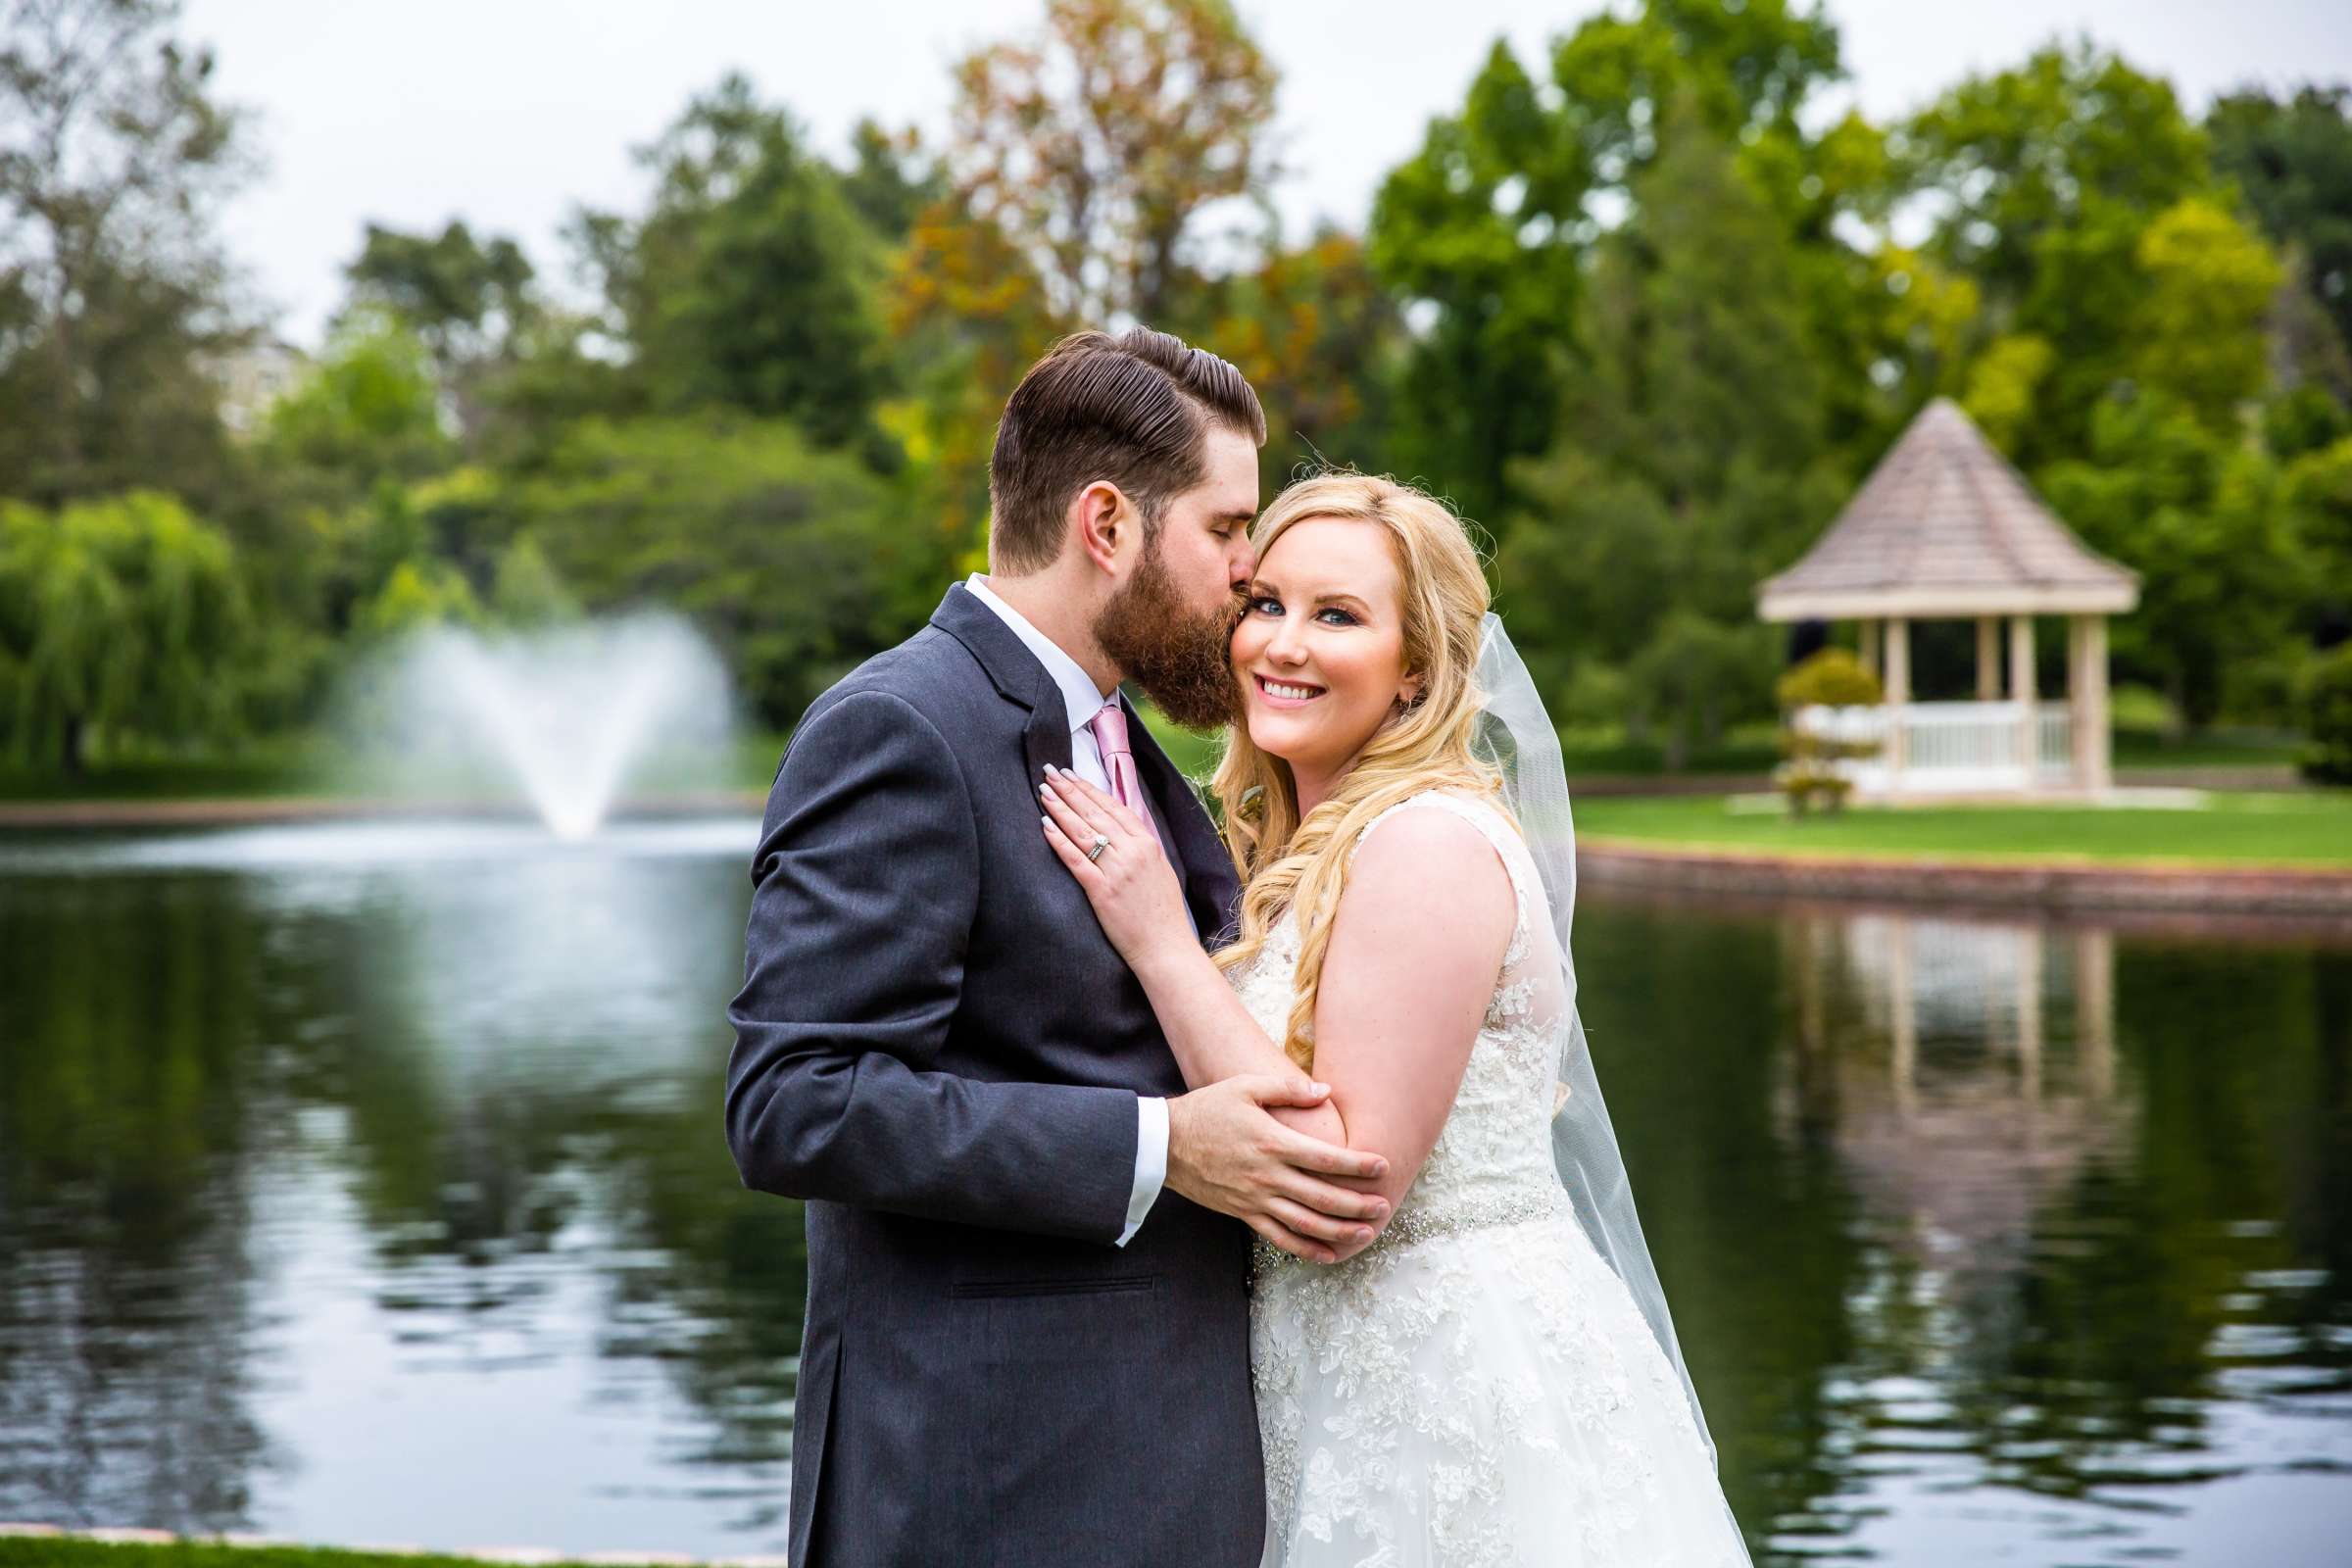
[1103, 519]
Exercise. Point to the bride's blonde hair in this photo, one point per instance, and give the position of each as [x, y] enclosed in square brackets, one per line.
[1297, 869]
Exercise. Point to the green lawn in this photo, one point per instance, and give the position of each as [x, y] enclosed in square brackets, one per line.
[23, 1551]
[2311, 827]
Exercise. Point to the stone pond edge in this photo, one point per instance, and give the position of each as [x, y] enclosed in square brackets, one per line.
[2182, 887]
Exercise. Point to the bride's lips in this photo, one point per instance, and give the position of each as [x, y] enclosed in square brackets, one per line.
[1268, 697]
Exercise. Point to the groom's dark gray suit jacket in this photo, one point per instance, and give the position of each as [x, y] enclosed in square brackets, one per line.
[937, 1047]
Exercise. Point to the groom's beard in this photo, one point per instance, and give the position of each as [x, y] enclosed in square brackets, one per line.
[1182, 658]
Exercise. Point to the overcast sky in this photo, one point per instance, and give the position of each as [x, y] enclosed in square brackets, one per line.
[508, 113]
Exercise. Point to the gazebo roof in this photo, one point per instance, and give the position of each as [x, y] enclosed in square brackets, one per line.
[1944, 526]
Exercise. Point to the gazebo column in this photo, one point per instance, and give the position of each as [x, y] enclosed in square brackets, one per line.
[2086, 698]
[1898, 693]
[1870, 645]
[2021, 692]
[1988, 659]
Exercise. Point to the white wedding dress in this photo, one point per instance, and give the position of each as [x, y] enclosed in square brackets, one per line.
[1477, 1388]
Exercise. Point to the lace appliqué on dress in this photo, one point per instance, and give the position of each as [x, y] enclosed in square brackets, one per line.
[1480, 1359]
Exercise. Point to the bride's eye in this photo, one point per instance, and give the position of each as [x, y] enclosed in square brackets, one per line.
[1262, 601]
[1346, 620]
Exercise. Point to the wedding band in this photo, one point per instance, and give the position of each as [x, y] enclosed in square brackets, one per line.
[1095, 851]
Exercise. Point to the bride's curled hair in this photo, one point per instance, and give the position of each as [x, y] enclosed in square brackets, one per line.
[1293, 870]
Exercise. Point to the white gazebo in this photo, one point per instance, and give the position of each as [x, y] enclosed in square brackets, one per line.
[1945, 528]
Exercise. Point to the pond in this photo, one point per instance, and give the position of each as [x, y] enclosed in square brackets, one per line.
[364, 1184]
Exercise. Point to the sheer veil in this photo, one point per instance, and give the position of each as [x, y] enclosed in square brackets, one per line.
[1517, 738]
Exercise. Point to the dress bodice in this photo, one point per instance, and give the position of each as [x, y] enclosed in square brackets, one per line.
[1492, 1162]
[1476, 1389]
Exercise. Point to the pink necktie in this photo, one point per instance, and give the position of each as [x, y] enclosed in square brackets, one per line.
[1110, 725]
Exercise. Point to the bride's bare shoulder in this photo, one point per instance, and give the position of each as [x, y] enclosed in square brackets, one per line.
[1433, 872]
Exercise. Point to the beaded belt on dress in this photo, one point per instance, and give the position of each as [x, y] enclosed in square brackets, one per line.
[1454, 1215]
[1450, 1216]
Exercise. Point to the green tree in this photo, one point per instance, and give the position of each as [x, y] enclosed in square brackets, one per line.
[469, 301]
[2318, 487]
[115, 303]
[2292, 161]
[751, 283]
[2328, 706]
[796, 561]
[2002, 384]
[2197, 324]
[125, 615]
[2199, 513]
[369, 410]
[1486, 230]
[326, 517]
[1700, 364]
[419, 593]
[2043, 179]
[2018, 155]
[1689, 460]
[527, 590]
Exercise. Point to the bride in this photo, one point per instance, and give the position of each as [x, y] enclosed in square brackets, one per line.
[1492, 1377]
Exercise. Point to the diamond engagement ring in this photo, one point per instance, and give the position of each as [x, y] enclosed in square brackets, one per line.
[1095, 849]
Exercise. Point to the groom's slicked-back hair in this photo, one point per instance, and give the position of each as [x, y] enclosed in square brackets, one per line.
[1133, 410]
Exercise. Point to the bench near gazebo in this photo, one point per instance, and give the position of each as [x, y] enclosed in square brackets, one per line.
[1945, 528]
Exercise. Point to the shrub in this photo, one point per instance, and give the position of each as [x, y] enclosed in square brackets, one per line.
[1833, 678]
[2328, 705]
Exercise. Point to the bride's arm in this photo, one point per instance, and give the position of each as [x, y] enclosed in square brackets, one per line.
[1135, 895]
[1416, 945]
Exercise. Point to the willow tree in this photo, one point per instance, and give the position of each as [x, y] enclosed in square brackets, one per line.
[124, 615]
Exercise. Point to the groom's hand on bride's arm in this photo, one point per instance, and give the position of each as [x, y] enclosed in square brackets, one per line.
[1227, 1152]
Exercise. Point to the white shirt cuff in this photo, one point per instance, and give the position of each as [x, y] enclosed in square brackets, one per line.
[1150, 1162]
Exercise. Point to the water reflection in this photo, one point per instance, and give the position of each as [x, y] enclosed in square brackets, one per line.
[366, 1184]
[2021, 1242]
[369, 1187]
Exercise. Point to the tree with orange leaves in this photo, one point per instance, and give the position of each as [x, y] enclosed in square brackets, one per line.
[1095, 148]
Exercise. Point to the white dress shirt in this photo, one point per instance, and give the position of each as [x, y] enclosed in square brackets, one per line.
[1084, 700]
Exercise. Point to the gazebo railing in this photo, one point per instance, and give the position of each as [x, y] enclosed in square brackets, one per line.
[1947, 746]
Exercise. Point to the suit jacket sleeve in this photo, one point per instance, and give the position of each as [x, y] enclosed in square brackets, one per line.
[864, 886]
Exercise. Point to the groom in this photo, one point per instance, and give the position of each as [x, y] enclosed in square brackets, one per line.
[1027, 1333]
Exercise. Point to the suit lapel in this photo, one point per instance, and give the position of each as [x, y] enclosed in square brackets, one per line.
[1203, 865]
[1047, 737]
[1207, 870]
[1017, 673]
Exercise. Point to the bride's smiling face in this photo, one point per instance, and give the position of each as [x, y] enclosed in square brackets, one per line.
[1319, 652]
